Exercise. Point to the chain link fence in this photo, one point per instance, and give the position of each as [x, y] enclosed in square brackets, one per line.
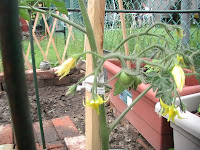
[137, 21]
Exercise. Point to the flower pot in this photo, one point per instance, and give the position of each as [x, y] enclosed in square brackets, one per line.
[186, 132]
[156, 130]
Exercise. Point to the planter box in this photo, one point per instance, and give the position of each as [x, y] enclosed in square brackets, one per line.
[186, 132]
[156, 130]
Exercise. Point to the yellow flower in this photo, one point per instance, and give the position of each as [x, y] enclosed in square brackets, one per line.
[66, 67]
[179, 32]
[171, 111]
[180, 59]
[192, 68]
[179, 77]
[94, 103]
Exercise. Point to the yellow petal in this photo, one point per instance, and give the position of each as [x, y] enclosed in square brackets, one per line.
[165, 112]
[179, 32]
[179, 77]
[163, 105]
[66, 66]
[180, 59]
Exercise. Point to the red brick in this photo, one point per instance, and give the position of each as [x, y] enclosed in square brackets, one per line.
[41, 74]
[75, 77]
[49, 132]
[30, 84]
[6, 134]
[38, 146]
[49, 82]
[75, 143]
[64, 127]
[64, 81]
[1, 77]
[55, 145]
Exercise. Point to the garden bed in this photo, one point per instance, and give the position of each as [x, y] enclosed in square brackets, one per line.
[54, 103]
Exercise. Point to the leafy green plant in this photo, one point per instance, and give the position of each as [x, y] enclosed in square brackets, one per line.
[165, 75]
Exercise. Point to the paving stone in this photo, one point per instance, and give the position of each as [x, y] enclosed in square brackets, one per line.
[56, 145]
[6, 135]
[64, 127]
[6, 147]
[75, 143]
[49, 131]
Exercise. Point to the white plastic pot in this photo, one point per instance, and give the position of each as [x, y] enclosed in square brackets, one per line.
[186, 131]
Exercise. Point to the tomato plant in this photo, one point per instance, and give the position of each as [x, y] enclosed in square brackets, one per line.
[125, 78]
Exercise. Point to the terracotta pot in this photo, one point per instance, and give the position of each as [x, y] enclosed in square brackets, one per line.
[156, 130]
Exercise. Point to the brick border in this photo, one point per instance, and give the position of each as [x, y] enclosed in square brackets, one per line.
[47, 78]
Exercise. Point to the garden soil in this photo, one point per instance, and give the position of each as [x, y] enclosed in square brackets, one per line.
[54, 103]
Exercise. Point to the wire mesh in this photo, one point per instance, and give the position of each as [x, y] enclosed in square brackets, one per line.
[137, 22]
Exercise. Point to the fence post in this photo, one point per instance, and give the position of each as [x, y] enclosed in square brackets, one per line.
[96, 12]
[13, 63]
[186, 21]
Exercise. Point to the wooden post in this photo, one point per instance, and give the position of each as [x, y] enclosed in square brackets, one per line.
[123, 24]
[96, 12]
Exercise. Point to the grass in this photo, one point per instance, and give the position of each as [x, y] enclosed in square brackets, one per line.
[111, 39]
[75, 46]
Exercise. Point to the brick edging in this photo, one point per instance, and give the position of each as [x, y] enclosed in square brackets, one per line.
[47, 78]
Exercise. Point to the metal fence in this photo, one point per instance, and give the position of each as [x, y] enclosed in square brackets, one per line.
[140, 14]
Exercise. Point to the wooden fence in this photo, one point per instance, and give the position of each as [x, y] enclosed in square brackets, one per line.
[49, 33]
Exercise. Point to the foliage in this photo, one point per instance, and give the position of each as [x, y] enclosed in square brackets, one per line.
[158, 74]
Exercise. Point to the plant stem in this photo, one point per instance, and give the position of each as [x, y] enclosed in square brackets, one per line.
[139, 34]
[149, 48]
[56, 16]
[153, 64]
[121, 116]
[89, 30]
[103, 128]
[36, 3]
[90, 52]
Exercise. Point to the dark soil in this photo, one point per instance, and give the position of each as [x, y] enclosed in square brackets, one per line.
[54, 103]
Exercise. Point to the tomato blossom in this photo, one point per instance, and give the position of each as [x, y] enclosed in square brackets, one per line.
[179, 77]
[66, 66]
[94, 103]
[171, 111]
[180, 59]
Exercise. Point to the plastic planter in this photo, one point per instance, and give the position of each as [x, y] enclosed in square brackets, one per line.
[156, 130]
[186, 132]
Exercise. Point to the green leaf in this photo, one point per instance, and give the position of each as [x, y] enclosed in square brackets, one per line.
[24, 14]
[198, 108]
[48, 2]
[162, 84]
[119, 88]
[136, 83]
[60, 5]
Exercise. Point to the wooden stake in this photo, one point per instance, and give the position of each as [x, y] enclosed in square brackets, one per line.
[33, 30]
[69, 27]
[96, 11]
[51, 38]
[123, 24]
[66, 45]
[27, 63]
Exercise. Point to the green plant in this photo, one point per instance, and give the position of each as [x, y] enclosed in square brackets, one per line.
[165, 76]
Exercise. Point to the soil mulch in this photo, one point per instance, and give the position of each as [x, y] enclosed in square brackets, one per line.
[54, 103]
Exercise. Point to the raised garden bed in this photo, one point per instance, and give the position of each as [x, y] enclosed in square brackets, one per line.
[54, 103]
